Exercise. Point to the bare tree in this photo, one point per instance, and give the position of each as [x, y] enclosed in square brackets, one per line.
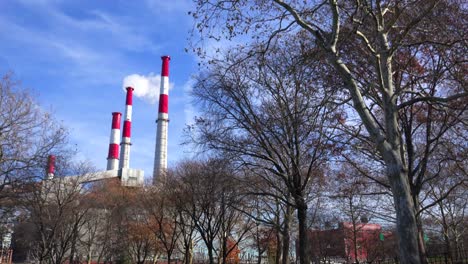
[96, 231]
[271, 115]
[207, 192]
[125, 234]
[271, 215]
[56, 210]
[361, 41]
[28, 135]
[162, 216]
[99, 236]
[261, 237]
[187, 231]
[141, 241]
[449, 216]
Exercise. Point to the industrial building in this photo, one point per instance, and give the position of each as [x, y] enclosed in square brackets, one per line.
[118, 169]
[118, 159]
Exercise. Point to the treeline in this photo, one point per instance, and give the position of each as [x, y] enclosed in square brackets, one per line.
[212, 211]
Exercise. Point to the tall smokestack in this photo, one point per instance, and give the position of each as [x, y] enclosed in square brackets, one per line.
[113, 156]
[127, 127]
[160, 157]
[50, 167]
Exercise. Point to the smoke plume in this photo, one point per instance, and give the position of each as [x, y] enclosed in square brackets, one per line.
[146, 87]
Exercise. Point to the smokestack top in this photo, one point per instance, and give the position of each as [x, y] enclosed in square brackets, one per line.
[165, 65]
[113, 155]
[51, 164]
[129, 98]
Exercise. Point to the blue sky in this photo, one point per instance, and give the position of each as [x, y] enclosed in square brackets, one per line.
[76, 54]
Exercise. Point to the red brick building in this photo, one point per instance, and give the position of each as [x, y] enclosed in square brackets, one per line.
[361, 241]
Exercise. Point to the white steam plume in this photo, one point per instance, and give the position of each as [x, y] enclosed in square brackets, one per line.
[146, 87]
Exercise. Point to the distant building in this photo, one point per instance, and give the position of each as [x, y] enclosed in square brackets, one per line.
[361, 242]
[233, 252]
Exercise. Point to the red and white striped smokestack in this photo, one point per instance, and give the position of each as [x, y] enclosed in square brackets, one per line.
[113, 156]
[160, 157]
[50, 167]
[127, 128]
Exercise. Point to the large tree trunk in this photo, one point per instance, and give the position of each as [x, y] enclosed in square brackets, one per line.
[388, 144]
[390, 149]
[407, 229]
[303, 241]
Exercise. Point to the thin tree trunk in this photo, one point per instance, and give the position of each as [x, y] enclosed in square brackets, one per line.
[188, 254]
[259, 257]
[224, 250]
[355, 246]
[73, 246]
[353, 221]
[279, 244]
[279, 247]
[445, 229]
[285, 248]
[258, 244]
[286, 236]
[210, 254]
[421, 245]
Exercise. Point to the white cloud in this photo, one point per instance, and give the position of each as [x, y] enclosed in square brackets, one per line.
[146, 87]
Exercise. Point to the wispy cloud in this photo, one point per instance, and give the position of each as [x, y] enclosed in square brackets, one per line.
[79, 54]
[115, 29]
[94, 44]
[189, 110]
[161, 7]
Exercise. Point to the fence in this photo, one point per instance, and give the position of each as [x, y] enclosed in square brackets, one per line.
[5, 256]
[458, 257]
